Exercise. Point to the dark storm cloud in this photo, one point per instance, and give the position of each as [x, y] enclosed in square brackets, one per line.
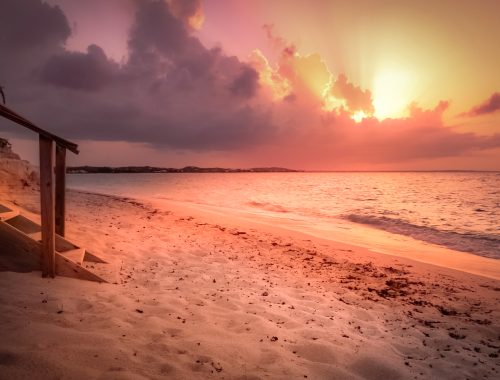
[157, 30]
[488, 106]
[84, 71]
[172, 91]
[26, 24]
[160, 44]
[246, 84]
[188, 90]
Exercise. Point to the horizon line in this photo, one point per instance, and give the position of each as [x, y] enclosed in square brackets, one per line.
[291, 170]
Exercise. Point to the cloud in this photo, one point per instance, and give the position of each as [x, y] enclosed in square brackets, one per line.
[171, 92]
[30, 32]
[308, 77]
[335, 141]
[82, 71]
[157, 30]
[352, 97]
[246, 84]
[175, 94]
[297, 78]
[30, 24]
[271, 80]
[189, 11]
[286, 48]
[490, 105]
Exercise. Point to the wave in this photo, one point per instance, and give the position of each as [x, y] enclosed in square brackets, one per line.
[268, 206]
[486, 245]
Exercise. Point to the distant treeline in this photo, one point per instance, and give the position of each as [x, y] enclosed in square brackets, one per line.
[152, 169]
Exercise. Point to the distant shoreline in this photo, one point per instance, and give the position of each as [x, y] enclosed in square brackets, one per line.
[196, 169]
[187, 169]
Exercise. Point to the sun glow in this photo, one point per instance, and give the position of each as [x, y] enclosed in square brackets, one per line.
[394, 87]
[269, 77]
[393, 90]
[358, 116]
[330, 102]
[313, 73]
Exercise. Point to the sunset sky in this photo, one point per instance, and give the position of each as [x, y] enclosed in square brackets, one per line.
[306, 84]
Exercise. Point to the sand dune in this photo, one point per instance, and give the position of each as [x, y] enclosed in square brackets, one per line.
[193, 296]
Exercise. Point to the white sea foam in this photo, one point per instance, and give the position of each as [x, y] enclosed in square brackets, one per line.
[481, 244]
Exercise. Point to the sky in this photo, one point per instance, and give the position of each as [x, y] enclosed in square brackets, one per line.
[304, 84]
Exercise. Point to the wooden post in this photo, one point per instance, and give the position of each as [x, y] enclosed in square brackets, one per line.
[60, 189]
[47, 206]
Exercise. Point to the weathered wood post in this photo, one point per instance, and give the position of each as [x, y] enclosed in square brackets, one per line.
[47, 206]
[60, 189]
[52, 186]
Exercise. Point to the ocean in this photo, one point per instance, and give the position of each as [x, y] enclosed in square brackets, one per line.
[456, 210]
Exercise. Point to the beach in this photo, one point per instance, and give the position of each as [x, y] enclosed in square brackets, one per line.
[249, 190]
[196, 295]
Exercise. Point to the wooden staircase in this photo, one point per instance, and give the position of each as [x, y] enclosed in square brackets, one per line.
[21, 248]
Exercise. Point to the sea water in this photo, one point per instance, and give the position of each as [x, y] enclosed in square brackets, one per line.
[457, 210]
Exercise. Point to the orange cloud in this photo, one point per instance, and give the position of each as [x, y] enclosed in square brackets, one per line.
[269, 77]
[307, 78]
[353, 97]
[303, 78]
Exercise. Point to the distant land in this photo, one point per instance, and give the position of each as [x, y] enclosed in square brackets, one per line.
[152, 169]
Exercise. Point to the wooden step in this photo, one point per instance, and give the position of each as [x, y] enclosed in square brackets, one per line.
[20, 248]
[23, 224]
[68, 268]
[93, 258]
[4, 208]
[17, 252]
[6, 215]
[36, 236]
[75, 255]
[69, 250]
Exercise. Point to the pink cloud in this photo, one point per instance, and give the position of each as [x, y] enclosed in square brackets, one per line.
[334, 141]
[490, 105]
[286, 48]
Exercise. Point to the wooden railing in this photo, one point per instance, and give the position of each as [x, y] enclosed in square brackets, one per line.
[52, 186]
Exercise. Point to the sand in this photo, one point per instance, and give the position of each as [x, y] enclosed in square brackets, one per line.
[197, 296]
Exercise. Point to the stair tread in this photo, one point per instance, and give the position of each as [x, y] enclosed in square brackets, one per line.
[36, 236]
[75, 255]
[24, 236]
[6, 215]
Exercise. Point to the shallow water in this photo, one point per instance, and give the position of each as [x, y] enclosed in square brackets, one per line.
[456, 210]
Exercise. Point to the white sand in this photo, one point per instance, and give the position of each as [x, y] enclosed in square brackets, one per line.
[192, 296]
